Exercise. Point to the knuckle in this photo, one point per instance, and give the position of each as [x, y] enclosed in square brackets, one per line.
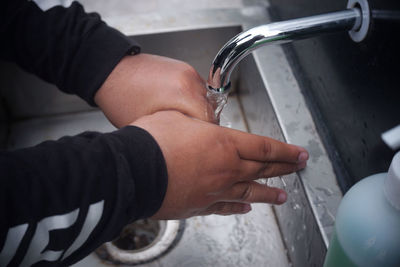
[189, 69]
[264, 172]
[270, 171]
[266, 149]
[228, 148]
[187, 73]
[247, 193]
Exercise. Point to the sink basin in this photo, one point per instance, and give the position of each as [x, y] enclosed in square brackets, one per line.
[268, 236]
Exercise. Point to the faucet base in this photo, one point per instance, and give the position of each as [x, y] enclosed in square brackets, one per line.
[360, 33]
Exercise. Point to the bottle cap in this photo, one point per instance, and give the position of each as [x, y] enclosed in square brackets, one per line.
[392, 137]
[392, 182]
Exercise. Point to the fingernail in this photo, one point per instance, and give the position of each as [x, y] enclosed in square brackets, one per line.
[246, 208]
[282, 197]
[301, 165]
[303, 156]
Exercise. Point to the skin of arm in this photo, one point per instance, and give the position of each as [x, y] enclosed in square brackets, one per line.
[144, 84]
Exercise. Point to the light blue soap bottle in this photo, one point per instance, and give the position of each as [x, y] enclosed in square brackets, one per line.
[367, 228]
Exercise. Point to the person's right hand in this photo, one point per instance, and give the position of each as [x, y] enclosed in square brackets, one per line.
[145, 84]
[211, 169]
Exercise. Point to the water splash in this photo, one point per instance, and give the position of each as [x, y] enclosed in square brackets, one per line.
[218, 102]
[224, 121]
[327, 191]
[296, 206]
[283, 181]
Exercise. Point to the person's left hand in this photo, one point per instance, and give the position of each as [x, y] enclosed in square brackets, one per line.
[211, 169]
[144, 84]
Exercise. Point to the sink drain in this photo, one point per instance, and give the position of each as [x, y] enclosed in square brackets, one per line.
[142, 241]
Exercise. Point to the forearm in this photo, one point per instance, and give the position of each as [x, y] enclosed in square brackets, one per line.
[88, 186]
[64, 46]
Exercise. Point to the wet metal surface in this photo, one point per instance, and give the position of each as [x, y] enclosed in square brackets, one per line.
[300, 230]
[268, 101]
[244, 240]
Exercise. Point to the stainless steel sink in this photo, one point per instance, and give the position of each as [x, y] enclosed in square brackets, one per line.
[266, 100]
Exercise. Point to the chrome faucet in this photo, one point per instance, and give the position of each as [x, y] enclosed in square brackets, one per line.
[355, 20]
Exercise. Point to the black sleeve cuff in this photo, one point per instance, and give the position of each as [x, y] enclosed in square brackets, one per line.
[148, 169]
[100, 51]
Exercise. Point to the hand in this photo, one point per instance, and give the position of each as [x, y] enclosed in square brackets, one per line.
[211, 169]
[144, 84]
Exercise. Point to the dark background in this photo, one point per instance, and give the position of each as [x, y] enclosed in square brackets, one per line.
[351, 88]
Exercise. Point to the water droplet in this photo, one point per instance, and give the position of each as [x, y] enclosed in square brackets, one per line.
[370, 242]
[296, 206]
[319, 201]
[328, 192]
[299, 236]
[327, 218]
[382, 255]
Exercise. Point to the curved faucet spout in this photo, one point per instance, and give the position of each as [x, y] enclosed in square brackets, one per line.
[276, 33]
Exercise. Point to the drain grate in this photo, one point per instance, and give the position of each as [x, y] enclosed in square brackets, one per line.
[142, 241]
[137, 235]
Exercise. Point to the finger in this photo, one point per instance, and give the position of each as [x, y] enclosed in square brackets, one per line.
[255, 147]
[251, 170]
[253, 192]
[279, 168]
[227, 208]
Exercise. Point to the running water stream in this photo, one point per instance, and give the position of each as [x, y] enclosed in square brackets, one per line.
[218, 101]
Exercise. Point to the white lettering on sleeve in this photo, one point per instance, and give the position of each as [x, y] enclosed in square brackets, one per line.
[92, 219]
[37, 248]
[47, 4]
[13, 239]
[36, 251]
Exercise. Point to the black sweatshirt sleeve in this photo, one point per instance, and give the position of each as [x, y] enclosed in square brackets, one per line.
[65, 46]
[62, 199]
